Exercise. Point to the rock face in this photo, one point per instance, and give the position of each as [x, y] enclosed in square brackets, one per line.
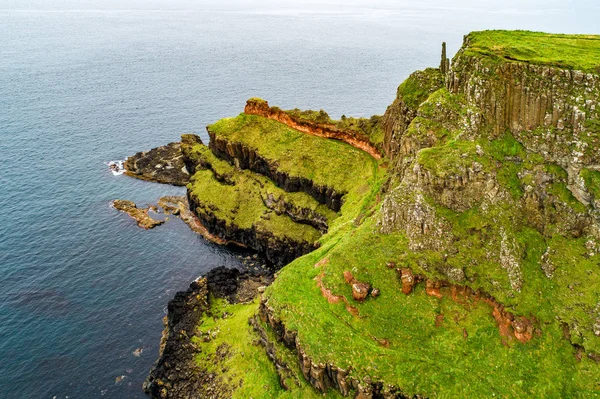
[180, 207]
[278, 250]
[244, 157]
[162, 165]
[355, 139]
[504, 145]
[321, 376]
[403, 110]
[548, 109]
[137, 214]
[176, 374]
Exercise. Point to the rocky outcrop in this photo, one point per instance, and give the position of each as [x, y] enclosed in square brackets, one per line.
[510, 326]
[277, 250]
[325, 376]
[179, 206]
[355, 139]
[140, 215]
[297, 213]
[245, 157]
[548, 109]
[403, 110]
[176, 374]
[162, 165]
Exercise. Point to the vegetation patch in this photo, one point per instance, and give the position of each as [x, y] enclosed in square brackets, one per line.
[581, 52]
[328, 163]
[230, 348]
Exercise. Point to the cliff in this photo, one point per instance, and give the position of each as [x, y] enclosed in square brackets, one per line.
[162, 165]
[303, 122]
[488, 205]
[469, 267]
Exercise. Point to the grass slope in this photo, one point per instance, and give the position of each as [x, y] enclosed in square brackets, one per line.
[581, 52]
[244, 365]
[326, 162]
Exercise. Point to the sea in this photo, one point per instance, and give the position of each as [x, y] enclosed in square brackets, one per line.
[83, 290]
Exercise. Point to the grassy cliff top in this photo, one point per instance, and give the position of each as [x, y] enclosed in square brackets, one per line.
[326, 162]
[581, 52]
[242, 205]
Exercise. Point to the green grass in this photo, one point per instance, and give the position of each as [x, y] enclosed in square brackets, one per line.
[240, 197]
[419, 86]
[592, 181]
[421, 358]
[241, 205]
[438, 361]
[326, 162]
[465, 356]
[246, 368]
[581, 52]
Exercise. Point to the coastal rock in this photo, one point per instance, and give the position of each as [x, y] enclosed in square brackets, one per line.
[245, 157]
[175, 374]
[179, 206]
[279, 250]
[260, 107]
[139, 215]
[162, 165]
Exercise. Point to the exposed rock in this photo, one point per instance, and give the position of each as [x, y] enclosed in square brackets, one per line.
[408, 280]
[175, 374]
[325, 376]
[244, 157]
[179, 206]
[360, 290]
[139, 215]
[162, 165]
[278, 250]
[402, 111]
[355, 139]
[296, 213]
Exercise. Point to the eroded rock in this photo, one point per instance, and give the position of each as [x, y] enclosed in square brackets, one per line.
[140, 215]
[162, 165]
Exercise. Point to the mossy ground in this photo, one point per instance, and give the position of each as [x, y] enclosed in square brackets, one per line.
[396, 338]
[242, 362]
[241, 205]
[581, 52]
[328, 163]
[465, 355]
[418, 86]
[439, 348]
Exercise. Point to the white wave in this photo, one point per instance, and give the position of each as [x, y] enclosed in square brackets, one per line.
[116, 167]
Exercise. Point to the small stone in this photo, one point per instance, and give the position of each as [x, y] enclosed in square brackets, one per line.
[360, 290]
[262, 289]
[375, 292]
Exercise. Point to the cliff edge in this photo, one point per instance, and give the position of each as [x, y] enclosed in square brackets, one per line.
[463, 263]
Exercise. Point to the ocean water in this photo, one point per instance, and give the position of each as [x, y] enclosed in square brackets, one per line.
[86, 82]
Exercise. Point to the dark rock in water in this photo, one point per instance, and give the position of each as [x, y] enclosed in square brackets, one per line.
[179, 206]
[176, 374]
[162, 165]
[140, 215]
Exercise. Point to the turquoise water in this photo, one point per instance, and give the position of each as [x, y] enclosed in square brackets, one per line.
[83, 83]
